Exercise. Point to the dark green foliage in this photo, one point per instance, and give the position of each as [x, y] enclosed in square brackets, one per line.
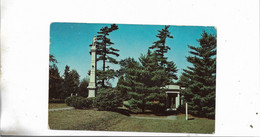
[55, 82]
[181, 108]
[156, 102]
[201, 78]
[141, 81]
[71, 82]
[122, 88]
[56, 100]
[83, 88]
[108, 99]
[69, 100]
[132, 74]
[52, 59]
[160, 47]
[79, 102]
[105, 53]
[184, 81]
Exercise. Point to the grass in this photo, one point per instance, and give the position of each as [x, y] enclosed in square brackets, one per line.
[113, 121]
[57, 105]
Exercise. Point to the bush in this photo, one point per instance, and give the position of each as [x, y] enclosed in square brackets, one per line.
[56, 100]
[108, 99]
[181, 108]
[79, 102]
[68, 100]
[88, 102]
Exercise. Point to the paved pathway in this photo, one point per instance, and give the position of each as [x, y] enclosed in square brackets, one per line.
[58, 109]
[167, 118]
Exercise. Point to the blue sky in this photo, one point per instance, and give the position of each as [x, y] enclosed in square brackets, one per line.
[69, 43]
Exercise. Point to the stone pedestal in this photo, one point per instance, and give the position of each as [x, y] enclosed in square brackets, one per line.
[91, 93]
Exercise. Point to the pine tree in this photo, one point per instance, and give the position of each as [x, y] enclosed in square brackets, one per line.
[153, 79]
[122, 88]
[131, 71]
[83, 87]
[55, 82]
[142, 82]
[200, 93]
[183, 81]
[159, 45]
[71, 82]
[104, 52]
[160, 49]
[74, 77]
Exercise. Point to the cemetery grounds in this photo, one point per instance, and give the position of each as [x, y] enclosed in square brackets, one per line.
[91, 119]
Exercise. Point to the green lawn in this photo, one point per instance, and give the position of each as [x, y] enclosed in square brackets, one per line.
[112, 121]
[57, 105]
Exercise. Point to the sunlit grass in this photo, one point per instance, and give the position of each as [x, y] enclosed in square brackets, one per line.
[57, 105]
[112, 121]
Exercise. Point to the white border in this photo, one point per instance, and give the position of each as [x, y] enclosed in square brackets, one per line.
[25, 43]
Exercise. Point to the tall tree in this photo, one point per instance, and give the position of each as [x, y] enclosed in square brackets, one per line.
[55, 82]
[74, 81]
[105, 53]
[160, 49]
[160, 45]
[153, 78]
[83, 87]
[183, 81]
[131, 71]
[200, 93]
[142, 81]
[71, 82]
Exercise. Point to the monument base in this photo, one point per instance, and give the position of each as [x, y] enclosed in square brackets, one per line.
[91, 93]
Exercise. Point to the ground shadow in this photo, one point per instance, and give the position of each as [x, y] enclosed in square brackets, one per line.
[123, 111]
[190, 118]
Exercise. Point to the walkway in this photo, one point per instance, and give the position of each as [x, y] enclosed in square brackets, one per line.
[167, 118]
[58, 109]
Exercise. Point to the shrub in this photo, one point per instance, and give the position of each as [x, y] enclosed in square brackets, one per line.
[181, 108]
[88, 102]
[79, 102]
[56, 100]
[69, 100]
[108, 99]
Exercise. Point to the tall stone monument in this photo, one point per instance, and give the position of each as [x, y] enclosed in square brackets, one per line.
[92, 82]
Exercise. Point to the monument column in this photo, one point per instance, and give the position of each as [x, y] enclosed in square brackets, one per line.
[92, 82]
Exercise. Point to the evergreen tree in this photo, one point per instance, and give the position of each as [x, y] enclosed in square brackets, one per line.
[66, 82]
[184, 81]
[200, 93]
[160, 49]
[131, 71]
[83, 87]
[71, 82]
[74, 81]
[153, 79]
[55, 82]
[142, 81]
[121, 87]
[159, 45]
[104, 54]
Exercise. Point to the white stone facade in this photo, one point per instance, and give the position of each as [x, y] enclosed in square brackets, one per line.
[173, 94]
[92, 81]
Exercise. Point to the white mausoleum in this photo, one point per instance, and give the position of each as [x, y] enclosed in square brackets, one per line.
[173, 96]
